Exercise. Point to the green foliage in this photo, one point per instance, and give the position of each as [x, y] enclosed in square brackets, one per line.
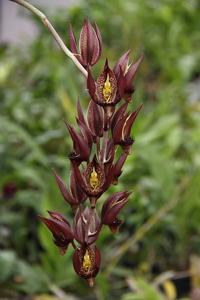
[22, 274]
[144, 291]
[39, 88]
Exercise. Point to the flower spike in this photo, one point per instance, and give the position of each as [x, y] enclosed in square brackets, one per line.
[93, 161]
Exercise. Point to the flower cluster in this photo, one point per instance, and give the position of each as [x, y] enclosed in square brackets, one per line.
[94, 166]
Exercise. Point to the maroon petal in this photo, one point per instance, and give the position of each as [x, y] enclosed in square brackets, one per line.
[129, 123]
[86, 132]
[85, 42]
[121, 84]
[117, 169]
[118, 114]
[64, 191]
[95, 119]
[98, 33]
[132, 70]
[61, 231]
[110, 152]
[114, 210]
[76, 189]
[58, 228]
[94, 227]
[78, 176]
[97, 45]
[89, 44]
[122, 63]
[80, 114]
[72, 41]
[86, 226]
[79, 144]
[118, 129]
[79, 232]
[57, 216]
[108, 203]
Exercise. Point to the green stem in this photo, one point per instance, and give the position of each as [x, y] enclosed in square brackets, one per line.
[73, 245]
[54, 33]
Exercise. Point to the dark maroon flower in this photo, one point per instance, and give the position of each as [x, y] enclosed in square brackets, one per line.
[116, 169]
[90, 44]
[82, 150]
[111, 209]
[104, 90]
[76, 195]
[86, 226]
[92, 180]
[121, 128]
[125, 74]
[86, 261]
[60, 228]
[111, 86]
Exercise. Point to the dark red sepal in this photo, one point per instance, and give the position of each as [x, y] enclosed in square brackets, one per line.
[60, 229]
[111, 208]
[122, 64]
[64, 191]
[95, 119]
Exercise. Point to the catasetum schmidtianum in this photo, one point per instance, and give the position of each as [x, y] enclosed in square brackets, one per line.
[94, 167]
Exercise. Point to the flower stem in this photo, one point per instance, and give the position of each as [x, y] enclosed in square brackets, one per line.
[52, 30]
[73, 245]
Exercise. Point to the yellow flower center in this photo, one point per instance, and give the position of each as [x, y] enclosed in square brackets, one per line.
[87, 263]
[107, 90]
[94, 181]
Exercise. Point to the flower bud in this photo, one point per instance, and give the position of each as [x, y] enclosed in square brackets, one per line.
[90, 44]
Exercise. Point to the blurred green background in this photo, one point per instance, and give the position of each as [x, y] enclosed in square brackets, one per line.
[156, 254]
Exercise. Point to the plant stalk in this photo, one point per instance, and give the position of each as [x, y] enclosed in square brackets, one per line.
[54, 33]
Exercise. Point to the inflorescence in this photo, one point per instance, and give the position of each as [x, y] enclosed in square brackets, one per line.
[94, 167]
